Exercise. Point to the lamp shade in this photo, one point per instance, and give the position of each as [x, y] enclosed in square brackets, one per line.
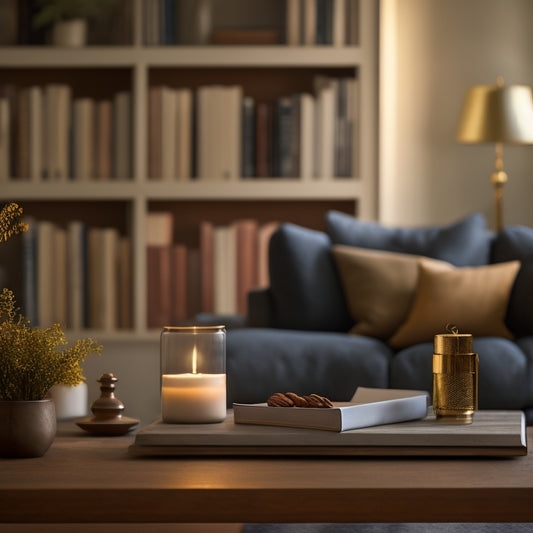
[497, 114]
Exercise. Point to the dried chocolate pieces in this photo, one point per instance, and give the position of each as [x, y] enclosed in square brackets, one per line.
[291, 399]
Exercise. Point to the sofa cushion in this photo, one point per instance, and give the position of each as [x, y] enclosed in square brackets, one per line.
[516, 242]
[306, 289]
[503, 378]
[526, 345]
[379, 287]
[472, 298]
[464, 243]
[261, 361]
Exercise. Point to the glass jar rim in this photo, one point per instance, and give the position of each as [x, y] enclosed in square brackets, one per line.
[192, 329]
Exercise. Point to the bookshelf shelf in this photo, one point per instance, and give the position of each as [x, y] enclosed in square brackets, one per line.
[257, 189]
[266, 73]
[68, 191]
[51, 56]
[253, 56]
[185, 56]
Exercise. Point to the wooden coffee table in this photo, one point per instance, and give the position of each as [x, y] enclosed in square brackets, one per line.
[93, 479]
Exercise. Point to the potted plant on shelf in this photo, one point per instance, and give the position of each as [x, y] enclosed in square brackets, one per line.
[32, 361]
[68, 19]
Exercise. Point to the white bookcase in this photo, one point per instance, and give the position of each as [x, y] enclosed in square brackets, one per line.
[138, 195]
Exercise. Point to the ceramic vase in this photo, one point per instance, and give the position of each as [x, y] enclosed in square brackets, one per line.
[70, 402]
[27, 428]
[70, 33]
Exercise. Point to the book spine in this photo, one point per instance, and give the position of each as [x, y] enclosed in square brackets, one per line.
[60, 275]
[264, 137]
[35, 133]
[194, 282]
[5, 140]
[246, 261]
[178, 283]
[29, 271]
[155, 98]
[224, 261]
[309, 22]
[124, 284]
[160, 228]
[103, 156]
[109, 287]
[339, 23]
[248, 137]
[168, 134]
[63, 118]
[292, 22]
[23, 144]
[307, 128]
[158, 286]
[45, 273]
[122, 135]
[83, 139]
[76, 275]
[283, 138]
[207, 265]
[184, 134]
[94, 278]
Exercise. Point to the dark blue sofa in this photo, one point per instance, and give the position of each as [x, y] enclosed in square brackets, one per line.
[297, 337]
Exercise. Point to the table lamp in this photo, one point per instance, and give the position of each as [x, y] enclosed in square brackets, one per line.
[501, 114]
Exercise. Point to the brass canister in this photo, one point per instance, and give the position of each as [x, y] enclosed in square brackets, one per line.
[455, 378]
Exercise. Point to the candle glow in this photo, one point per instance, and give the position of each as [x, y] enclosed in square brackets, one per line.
[193, 397]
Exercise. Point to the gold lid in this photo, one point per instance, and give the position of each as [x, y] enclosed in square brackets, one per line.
[453, 344]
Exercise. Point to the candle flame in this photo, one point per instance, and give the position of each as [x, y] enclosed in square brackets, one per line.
[194, 360]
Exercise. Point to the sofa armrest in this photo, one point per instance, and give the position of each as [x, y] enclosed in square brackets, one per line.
[260, 309]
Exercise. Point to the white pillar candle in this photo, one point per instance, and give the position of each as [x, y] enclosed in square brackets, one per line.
[193, 398]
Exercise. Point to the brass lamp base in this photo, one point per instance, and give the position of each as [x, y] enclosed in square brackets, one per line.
[498, 179]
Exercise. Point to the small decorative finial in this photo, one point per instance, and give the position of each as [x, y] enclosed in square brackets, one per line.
[107, 411]
[453, 330]
[499, 81]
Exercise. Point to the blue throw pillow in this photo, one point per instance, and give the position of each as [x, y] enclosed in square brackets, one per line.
[516, 242]
[306, 290]
[464, 243]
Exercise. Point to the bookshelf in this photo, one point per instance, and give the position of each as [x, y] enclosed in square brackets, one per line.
[265, 72]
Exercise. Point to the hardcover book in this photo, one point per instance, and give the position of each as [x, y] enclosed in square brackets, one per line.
[368, 407]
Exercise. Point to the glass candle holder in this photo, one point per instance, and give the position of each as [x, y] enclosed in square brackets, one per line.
[193, 374]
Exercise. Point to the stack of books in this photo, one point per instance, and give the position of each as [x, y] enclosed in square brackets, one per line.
[216, 277]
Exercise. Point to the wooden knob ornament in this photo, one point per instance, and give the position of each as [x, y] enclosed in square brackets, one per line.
[107, 411]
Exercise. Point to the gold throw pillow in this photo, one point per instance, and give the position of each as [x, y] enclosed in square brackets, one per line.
[472, 298]
[379, 287]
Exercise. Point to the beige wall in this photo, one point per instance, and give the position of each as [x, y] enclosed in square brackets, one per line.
[431, 51]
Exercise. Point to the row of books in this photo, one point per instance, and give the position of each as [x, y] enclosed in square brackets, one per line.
[216, 277]
[306, 22]
[76, 275]
[306, 136]
[319, 22]
[48, 134]
[81, 276]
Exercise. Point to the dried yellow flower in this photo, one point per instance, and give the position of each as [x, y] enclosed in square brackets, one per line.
[10, 223]
[31, 361]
